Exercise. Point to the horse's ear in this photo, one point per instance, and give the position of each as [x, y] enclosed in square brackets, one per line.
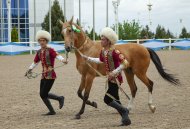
[60, 22]
[71, 21]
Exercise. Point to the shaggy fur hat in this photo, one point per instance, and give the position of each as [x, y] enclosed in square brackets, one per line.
[43, 34]
[109, 34]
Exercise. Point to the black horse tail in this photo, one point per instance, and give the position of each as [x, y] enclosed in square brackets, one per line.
[156, 60]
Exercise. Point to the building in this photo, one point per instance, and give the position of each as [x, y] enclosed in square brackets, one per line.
[19, 19]
[42, 7]
[24, 19]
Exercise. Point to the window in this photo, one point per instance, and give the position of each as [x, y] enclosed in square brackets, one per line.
[19, 18]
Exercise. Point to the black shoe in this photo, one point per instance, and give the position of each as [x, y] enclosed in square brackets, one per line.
[124, 112]
[61, 102]
[58, 98]
[49, 106]
[50, 113]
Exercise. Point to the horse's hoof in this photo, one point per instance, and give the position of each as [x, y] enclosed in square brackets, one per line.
[77, 116]
[95, 104]
[129, 108]
[152, 108]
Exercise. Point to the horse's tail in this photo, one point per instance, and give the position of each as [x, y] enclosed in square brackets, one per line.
[156, 60]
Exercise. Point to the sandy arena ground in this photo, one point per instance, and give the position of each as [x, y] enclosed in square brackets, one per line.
[21, 106]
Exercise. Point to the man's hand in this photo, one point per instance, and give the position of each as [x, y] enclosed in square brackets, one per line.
[28, 72]
[65, 61]
[111, 75]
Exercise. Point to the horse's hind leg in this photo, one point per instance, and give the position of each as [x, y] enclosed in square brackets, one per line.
[88, 85]
[149, 85]
[130, 79]
[79, 92]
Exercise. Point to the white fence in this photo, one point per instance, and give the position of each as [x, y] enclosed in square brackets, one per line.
[15, 48]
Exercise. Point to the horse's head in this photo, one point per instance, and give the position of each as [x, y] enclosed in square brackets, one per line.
[73, 35]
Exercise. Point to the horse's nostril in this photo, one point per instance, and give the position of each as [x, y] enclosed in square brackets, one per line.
[68, 49]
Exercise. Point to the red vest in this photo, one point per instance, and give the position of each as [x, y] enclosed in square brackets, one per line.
[112, 59]
[47, 58]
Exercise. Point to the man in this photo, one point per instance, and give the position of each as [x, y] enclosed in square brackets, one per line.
[47, 57]
[114, 62]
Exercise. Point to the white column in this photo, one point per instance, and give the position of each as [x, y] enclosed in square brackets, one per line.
[9, 19]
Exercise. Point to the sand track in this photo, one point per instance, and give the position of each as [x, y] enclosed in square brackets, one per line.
[21, 106]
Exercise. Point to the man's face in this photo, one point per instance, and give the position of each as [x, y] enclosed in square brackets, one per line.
[43, 42]
[105, 42]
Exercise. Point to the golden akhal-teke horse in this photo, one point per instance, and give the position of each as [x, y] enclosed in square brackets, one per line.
[137, 56]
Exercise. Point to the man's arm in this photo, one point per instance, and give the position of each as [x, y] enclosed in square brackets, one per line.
[118, 69]
[92, 59]
[33, 65]
[61, 59]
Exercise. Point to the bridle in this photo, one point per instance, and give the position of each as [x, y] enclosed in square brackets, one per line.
[72, 38]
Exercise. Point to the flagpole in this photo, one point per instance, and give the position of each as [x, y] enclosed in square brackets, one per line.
[9, 19]
[34, 20]
[50, 17]
[107, 13]
[65, 11]
[94, 20]
[80, 12]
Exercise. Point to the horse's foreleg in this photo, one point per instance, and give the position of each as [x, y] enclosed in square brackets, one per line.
[88, 85]
[81, 88]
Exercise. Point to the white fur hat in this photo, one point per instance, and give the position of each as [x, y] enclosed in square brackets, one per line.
[43, 34]
[109, 34]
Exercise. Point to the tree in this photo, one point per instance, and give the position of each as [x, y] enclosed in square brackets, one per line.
[129, 30]
[90, 35]
[14, 35]
[146, 33]
[78, 22]
[169, 34]
[56, 15]
[184, 33]
[160, 32]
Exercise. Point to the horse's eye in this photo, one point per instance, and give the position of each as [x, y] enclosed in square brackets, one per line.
[69, 31]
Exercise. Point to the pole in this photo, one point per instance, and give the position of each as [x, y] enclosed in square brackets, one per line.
[117, 20]
[94, 20]
[50, 17]
[9, 19]
[18, 4]
[65, 11]
[80, 12]
[107, 13]
[170, 44]
[1, 17]
[34, 20]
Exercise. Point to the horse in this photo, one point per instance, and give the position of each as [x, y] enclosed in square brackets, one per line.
[137, 55]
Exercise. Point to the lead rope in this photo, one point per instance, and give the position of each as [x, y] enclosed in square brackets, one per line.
[34, 75]
[106, 87]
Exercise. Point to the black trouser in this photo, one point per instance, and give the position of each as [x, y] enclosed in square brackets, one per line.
[113, 91]
[45, 87]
